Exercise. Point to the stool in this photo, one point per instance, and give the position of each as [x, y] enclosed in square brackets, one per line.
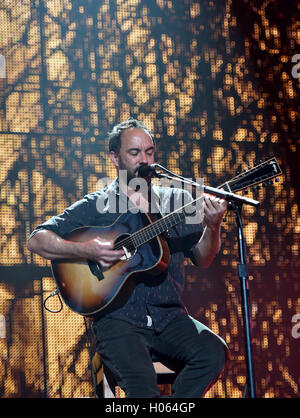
[165, 378]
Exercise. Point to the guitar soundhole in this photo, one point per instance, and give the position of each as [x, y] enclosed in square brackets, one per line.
[124, 242]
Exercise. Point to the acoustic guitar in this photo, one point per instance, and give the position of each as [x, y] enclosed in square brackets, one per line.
[90, 290]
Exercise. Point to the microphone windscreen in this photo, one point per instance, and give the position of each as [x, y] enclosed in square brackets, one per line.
[144, 170]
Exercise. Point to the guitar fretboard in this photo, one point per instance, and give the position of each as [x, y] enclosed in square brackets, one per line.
[156, 228]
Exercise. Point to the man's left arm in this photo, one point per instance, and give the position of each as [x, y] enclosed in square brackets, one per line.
[210, 241]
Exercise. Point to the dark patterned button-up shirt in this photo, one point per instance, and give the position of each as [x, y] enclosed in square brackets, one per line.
[152, 303]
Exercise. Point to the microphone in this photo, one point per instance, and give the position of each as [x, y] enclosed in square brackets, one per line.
[146, 170]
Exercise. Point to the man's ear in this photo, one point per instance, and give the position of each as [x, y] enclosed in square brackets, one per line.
[114, 158]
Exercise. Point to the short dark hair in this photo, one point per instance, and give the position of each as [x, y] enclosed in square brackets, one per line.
[114, 136]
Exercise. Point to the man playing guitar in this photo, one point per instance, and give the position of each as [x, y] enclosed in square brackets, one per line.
[151, 319]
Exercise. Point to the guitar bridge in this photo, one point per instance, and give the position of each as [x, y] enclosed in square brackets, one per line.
[95, 269]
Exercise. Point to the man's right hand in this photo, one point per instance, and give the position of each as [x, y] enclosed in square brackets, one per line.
[49, 245]
[102, 252]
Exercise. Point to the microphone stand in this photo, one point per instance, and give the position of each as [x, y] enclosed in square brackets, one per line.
[243, 276]
[236, 203]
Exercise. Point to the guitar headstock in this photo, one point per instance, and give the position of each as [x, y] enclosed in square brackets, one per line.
[260, 174]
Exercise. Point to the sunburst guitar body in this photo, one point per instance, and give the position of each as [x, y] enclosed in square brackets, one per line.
[89, 289]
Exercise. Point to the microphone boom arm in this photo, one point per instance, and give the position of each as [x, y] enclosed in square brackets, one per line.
[229, 196]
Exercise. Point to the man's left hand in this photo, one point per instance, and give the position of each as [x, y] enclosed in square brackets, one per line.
[214, 210]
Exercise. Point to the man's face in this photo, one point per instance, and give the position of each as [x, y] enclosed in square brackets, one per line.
[137, 148]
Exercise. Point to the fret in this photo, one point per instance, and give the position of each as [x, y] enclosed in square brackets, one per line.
[156, 228]
[136, 240]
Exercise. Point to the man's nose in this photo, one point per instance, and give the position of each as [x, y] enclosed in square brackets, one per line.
[144, 158]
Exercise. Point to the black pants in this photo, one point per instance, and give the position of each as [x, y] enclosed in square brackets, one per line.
[185, 346]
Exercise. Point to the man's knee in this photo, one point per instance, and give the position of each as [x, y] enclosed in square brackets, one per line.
[216, 352]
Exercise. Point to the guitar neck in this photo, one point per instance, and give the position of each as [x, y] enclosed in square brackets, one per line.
[261, 173]
[161, 225]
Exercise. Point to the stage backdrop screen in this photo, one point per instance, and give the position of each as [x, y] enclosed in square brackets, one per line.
[217, 85]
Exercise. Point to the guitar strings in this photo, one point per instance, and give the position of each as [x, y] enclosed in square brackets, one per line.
[145, 233]
[141, 235]
[147, 229]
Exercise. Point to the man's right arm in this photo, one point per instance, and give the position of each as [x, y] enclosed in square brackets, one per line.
[51, 246]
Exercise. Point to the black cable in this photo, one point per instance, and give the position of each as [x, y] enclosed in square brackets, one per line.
[88, 343]
[54, 293]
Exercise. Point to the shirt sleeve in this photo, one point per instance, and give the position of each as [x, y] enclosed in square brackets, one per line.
[81, 213]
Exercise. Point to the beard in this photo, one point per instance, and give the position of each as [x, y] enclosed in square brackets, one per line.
[128, 173]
